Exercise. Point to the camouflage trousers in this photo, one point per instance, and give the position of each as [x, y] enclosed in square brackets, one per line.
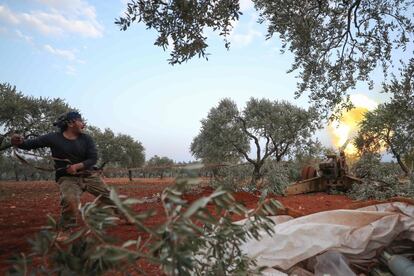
[71, 189]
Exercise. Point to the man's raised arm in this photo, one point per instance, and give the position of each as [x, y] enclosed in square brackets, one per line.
[35, 143]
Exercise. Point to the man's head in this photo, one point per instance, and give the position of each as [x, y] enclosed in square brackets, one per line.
[71, 120]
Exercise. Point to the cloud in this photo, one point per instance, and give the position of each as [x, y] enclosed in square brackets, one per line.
[70, 70]
[3, 30]
[249, 33]
[361, 100]
[7, 16]
[244, 39]
[67, 54]
[246, 5]
[62, 17]
[76, 7]
[26, 38]
[55, 23]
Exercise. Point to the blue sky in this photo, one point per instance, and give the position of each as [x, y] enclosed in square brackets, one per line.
[73, 50]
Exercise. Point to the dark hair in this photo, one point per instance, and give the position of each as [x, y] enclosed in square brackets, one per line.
[63, 120]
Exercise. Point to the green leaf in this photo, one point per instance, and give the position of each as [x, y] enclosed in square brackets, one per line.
[175, 199]
[74, 236]
[129, 243]
[118, 256]
[110, 219]
[277, 204]
[195, 206]
[174, 192]
[269, 209]
[218, 193]
[133, 201]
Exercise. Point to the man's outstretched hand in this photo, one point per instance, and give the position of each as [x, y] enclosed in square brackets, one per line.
[73, 169]
[16, 140]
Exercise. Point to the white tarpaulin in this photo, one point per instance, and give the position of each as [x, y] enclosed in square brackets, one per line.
[355, 233]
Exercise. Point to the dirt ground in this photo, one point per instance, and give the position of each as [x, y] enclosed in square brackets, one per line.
[25, 206]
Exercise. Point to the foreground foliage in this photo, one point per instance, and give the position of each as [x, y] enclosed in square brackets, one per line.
[193, 239]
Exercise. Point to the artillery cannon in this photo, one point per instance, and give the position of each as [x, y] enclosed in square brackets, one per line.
[333, 173]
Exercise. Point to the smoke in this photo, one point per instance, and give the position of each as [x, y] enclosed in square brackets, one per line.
[344, 130]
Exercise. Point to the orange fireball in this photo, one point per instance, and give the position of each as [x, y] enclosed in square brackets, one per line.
[344, 130]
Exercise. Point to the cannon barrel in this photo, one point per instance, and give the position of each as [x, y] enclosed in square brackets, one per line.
[398, 264]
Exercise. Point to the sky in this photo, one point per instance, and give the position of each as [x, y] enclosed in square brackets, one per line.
[72, 49]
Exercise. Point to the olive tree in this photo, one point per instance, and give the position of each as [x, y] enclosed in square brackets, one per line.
[382, 128]
[391, 124]
[118, 150]
[264, 129]
[26, 115]
[159, 164]
[335, 43]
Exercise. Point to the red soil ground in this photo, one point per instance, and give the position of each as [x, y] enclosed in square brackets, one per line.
[25, 206]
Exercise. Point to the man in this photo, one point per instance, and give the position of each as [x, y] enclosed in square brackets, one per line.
[75, 154]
